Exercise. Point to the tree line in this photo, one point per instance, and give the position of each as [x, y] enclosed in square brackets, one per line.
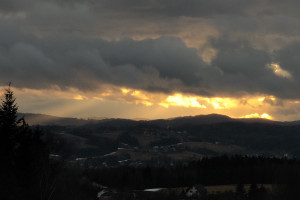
[221, 170]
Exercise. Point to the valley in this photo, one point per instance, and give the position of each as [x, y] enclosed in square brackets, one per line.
[117, 142]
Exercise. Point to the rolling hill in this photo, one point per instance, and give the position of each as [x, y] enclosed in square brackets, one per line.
[164, 141]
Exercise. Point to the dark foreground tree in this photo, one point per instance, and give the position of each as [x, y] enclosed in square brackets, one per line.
[25, 170]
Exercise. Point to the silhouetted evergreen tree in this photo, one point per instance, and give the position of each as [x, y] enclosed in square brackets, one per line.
[8, 111]
[25, 157]
[8, 129]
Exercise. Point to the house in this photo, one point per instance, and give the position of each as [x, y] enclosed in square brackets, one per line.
[197, 191]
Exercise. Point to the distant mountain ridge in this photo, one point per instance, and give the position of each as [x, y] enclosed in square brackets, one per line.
[43, 119]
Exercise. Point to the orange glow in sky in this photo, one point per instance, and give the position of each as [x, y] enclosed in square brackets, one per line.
[256, 115]
[138, 103]
[79, 97]
[180, 100]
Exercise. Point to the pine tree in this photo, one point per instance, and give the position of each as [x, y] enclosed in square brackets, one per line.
[25, 157]
[8, 125]
[8, 130]
[8, 111]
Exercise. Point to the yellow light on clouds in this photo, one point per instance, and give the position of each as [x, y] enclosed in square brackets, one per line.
[256, 115]
[167, 105]
[136, 96]
[105, 94]
[180, 100]
[139, 95]
[125, 90]
[199, 102]
[279, 71]
[222, 103]
[79, 97]
[272, 98]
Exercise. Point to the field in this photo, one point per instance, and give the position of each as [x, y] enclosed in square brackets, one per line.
[223, 188]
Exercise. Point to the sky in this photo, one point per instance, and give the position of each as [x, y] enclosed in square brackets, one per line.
[152, 58]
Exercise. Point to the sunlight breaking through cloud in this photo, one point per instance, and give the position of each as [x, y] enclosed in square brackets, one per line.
[180, 100]
[159, 104]
[222, 103]
[256, 115]
[199, 102]
[279, 71]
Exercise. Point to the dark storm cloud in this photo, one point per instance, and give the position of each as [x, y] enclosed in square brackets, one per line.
[51, 42]
[164, 64]
[244, 69]
[128, 16]
[194, 8]
[288, 57]
[229, 16]
[15, 5]
[83, 63]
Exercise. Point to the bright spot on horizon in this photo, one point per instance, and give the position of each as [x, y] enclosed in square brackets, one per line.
[256, 115]
[221, 103]
[125, 90]
[261, 99]
[216, 103]
[180, 100]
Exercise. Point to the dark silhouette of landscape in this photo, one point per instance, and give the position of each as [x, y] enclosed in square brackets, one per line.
[200, 157]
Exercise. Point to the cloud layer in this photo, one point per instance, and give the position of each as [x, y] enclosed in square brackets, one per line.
[208, 48]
